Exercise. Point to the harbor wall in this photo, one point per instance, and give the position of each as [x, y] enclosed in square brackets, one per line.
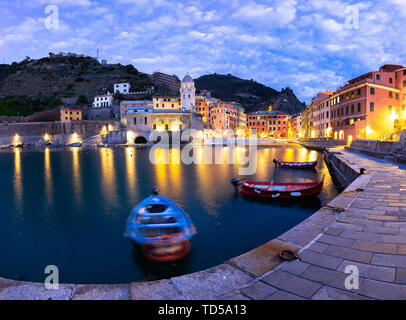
[59, 132]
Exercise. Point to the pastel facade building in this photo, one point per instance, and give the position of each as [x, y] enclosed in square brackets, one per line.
[370, 106]
[320, 113]
[126, 106]
[103, 101]
[227, 116]
[70, 114]
[170, 103]
[170, 114]
[296, 128]
[269, 123]
[203, 106]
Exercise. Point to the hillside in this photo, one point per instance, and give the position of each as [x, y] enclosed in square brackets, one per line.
[251, 94]
[35, 82]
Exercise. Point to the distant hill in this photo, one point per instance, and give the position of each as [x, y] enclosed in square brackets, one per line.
[37, 85]
[35, 82]
[251, 94]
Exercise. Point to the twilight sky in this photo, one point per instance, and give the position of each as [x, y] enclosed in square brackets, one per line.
[308, 45]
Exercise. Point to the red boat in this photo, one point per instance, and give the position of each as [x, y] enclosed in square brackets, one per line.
[168, 248]
[296, 165]
[279, 190]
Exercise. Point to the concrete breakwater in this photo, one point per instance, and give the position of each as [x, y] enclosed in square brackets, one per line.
[58, 132]
[321, 144]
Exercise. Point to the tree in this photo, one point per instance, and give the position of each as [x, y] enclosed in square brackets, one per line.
[82, 100]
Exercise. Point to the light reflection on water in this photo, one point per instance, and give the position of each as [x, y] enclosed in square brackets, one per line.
[89, 194]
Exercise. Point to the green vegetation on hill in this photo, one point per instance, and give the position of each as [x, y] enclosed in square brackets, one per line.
[25, 106]
[59, 77]
[249, 93]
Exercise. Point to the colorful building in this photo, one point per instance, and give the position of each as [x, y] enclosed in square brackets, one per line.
[296, 129]
[70, 114]
[269, 123]
[170, 103]
[126, 106]
[228, 116]
[371, 106]
[320, 115]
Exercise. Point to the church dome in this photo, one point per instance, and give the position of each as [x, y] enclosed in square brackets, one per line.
[187, 78]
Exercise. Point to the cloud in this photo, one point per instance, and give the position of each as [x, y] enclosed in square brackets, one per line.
[303, 44]
[280, 14]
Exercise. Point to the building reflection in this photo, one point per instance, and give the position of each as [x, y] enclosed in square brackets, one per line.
[77, 177]
[48, 178]
[18, 183]
[131, 175]
[175, 172]
[108, 176]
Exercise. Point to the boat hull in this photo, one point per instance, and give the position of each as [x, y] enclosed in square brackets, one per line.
[296, 165]
[301, 191]
[165, 253]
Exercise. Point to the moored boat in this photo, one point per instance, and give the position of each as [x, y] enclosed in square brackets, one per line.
[161, 227]
[274, 190]
[296, 165]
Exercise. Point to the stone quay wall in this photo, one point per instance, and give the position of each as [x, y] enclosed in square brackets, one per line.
[59, 132]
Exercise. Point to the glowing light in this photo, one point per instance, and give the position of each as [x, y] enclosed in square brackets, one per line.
[130, 137]
[104, 131]
[349, 140]
[394, 117]
[47, 138]
[17, 140]
[111, 128]
[369, 130]
[341, 133]
[313, 134]
[75, 138]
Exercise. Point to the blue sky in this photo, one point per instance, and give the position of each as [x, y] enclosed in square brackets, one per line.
[303, 44]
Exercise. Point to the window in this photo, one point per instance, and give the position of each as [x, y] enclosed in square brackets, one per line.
[145, 120]
[404, 72]
[135, 121]
[397, 96]
[166, 127]
[372, 107]
[154, 127]
[346, 110]
[378, 77]
[359, 107]
[359, 92]
[390, 109]
[390, 94]
[352, 109]
[373, 90]
[390, 80]
[404, 84]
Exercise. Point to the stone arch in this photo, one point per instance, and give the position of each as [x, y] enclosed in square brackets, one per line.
[140, 140]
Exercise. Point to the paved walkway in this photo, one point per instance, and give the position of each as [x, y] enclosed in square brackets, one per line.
[370, 234]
